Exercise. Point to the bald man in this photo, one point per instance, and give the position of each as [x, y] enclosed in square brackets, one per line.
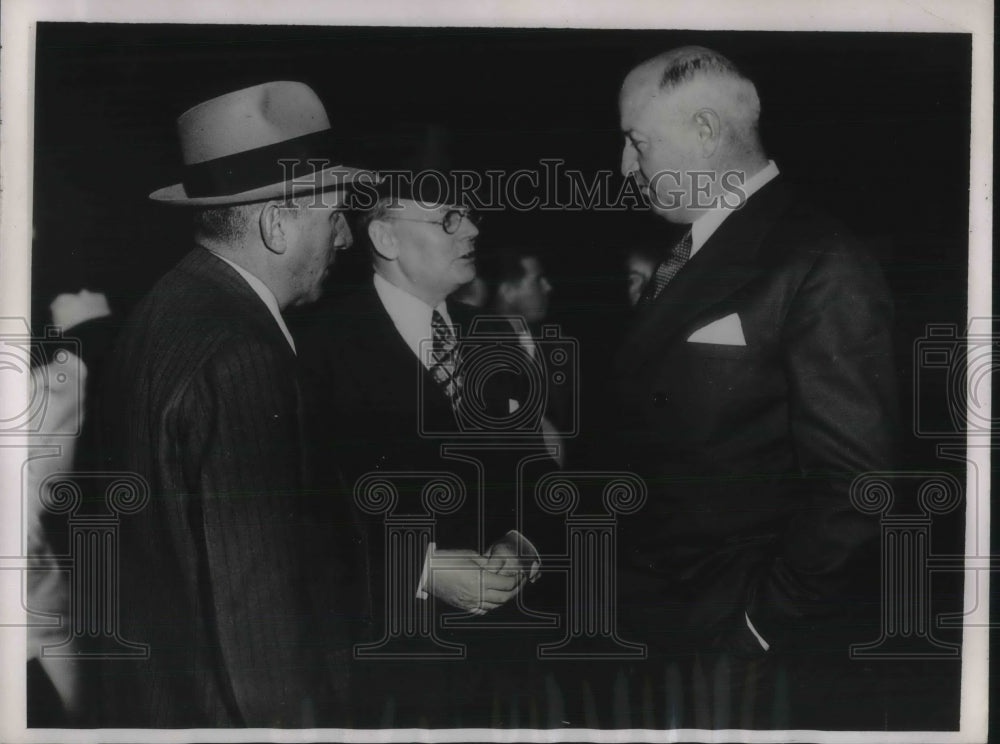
[755, 383]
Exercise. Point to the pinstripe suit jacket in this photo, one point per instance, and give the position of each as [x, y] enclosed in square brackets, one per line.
[202, 400]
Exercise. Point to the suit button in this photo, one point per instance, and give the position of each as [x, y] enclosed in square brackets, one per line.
[660, 399]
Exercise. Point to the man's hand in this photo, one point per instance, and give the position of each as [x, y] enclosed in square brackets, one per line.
[461, 579]
[512, 555]
[502, 559]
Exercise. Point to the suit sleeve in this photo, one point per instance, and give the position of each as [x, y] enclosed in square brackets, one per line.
[843, 422]
[242, 461]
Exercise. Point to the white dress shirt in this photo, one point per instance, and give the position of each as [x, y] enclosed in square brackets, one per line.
[703, 227]
[265, 294]
[411, 316]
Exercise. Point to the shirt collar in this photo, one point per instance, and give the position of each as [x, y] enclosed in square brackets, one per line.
[265, 294]
[410, 315]
[703, 227]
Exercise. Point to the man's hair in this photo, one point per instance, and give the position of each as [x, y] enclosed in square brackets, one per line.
[378, 211]
[737, 93]
[232, 224]
[682, 65]
[224, 224]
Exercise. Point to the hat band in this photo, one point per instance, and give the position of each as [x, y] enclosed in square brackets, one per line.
[251, 169]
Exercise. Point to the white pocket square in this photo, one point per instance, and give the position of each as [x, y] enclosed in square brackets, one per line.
[727, 331]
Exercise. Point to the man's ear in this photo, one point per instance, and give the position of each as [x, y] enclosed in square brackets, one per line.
[383, 238]
[274, 227]
[709, 129]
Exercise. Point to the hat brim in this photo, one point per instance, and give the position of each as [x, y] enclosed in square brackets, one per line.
[334, 177]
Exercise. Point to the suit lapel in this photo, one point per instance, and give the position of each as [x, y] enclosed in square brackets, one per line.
[727, 262]
[383, 353]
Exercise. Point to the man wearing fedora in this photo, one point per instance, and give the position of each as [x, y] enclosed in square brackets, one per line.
[217, 576]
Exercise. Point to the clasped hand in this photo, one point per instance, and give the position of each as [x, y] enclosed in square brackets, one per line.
[479, 583]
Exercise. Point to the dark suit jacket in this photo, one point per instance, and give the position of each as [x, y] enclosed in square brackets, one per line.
[749, 451]
[364, 386]
[370, 399]
[202, 401]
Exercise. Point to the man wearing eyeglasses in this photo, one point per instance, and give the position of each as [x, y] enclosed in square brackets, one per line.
[381, 373]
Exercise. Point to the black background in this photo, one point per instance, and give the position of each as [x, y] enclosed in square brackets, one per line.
[874, 127]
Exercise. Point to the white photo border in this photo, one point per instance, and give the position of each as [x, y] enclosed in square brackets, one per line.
[17, 34]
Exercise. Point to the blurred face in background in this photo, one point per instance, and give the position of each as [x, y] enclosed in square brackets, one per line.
[529, 295]
[640, 270]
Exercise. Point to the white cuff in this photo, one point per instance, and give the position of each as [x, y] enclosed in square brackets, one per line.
[760, 639]
[425, 573]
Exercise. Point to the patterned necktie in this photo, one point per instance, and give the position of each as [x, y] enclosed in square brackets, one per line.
[667, 269]
[444, 358]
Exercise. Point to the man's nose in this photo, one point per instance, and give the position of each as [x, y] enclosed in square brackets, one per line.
[629, 162]
[469, 229]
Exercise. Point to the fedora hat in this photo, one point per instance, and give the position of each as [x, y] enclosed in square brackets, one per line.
[266, 142]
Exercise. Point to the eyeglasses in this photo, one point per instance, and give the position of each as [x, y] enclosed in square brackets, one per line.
[451, 221]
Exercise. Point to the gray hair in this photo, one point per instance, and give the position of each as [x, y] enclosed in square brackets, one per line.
[736, 93]
[228, 224]
[232, 224]
[378, 211]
